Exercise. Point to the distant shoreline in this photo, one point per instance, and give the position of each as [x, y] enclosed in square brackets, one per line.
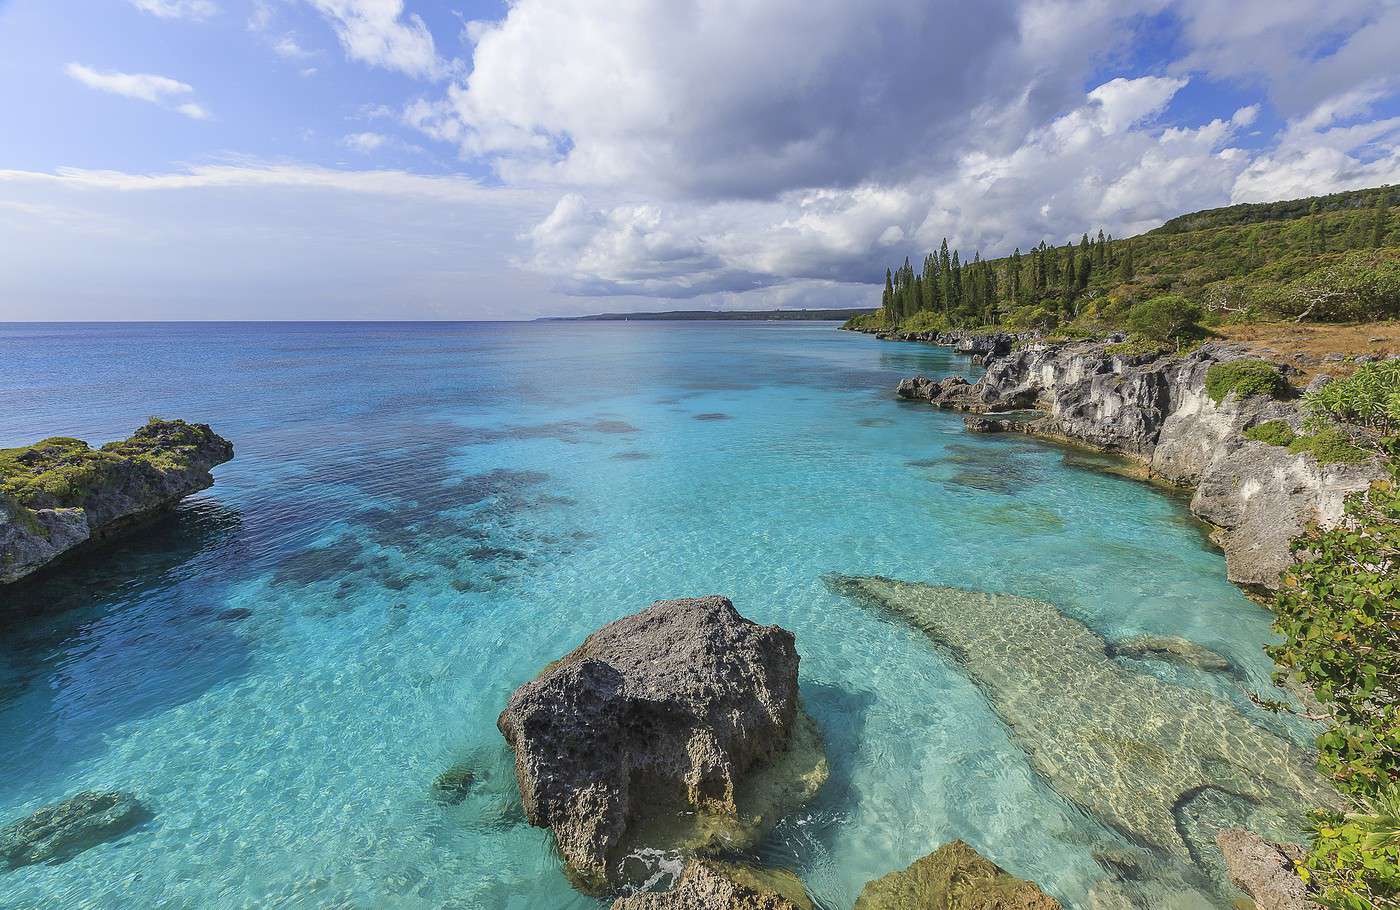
[718, 315]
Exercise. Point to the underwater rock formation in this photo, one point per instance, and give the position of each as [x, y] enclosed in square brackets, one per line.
[1264, 871]
[59, 494]
[63, 830]
[674, 728]
[1170, 649]
[1154, 409]
[710, 885]
[953, 877]
[1165, 765]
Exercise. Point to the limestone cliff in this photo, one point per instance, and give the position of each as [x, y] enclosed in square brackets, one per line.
[59, 494]
[1155, 410]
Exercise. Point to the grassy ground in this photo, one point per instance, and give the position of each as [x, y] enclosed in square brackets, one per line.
[1308, 345]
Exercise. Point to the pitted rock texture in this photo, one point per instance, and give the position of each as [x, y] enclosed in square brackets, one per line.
[1263, 870]
[60, 831]
[1155, 410]
[708, 885]
[953, 877]
[661, 712]
[60, 494]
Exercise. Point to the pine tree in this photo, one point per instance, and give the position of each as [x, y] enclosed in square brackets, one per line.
[1100, 252]
[1126, 269]
[1086, 265]
[1380, 219]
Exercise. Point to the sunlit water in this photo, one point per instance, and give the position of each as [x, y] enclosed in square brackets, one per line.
[420, 516]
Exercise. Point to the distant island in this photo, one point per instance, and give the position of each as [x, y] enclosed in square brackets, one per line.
[730, 315]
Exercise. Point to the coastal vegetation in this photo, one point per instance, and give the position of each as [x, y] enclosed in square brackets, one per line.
[1244, 378]
[1326, 258]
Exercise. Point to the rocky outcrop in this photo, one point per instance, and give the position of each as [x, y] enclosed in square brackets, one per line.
[1166, 765]
[674, 728]
[1170, 649]
[60, 494]
[710, 885]
[63, 830]
[1267, 872]
[1155, 410]
[953, 877]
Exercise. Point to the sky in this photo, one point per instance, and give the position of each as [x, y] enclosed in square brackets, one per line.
[415, 159]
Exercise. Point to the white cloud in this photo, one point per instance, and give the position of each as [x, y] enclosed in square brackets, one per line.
[288, 48]
[141, 86]
[177, 9]
[364, 142]
[380, 33]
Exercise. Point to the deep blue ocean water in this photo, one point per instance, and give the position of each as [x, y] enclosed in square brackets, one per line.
[420, 516]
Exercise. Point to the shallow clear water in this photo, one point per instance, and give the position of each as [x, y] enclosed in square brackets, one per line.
[420, 516]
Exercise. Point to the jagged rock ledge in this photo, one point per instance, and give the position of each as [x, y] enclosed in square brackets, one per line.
[1154, 410]
[60, 494]
[677, 729]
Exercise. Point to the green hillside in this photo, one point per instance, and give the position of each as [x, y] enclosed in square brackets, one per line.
[1326, 258]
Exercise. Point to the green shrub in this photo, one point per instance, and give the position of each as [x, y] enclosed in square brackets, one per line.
[1245, 378]
[1338, 611]
[866, 322]
[1359, 285]
[925, 321]
[1272, 432]
[1370, 397]
[1166, 319]
[1329, 445]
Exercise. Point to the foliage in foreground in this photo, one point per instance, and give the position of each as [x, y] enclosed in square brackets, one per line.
[1339, 613]
[1370, 397]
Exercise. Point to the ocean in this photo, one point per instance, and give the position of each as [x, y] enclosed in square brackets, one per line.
[421, 515]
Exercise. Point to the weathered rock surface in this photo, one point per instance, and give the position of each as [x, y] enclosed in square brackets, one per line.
[953, 877]
[1155, 410]
[710, 885]
[1166, 765]
[1263, 870]
[63, 830]
[673, 728]
[60, 494]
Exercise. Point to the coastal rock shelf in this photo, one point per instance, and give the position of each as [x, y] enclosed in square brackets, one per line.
[60, 494]
[675, 729]
[710, 885]
[953, 877]
[1166, 766]
[59, 832]
[1156, 411]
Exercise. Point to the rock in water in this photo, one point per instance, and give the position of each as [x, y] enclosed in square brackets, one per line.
[1170, 649]
[953, 877]
[58, 832]
[1158, 762]
[674, 728]
[59, 494]
[709, 885]
[1264, 871]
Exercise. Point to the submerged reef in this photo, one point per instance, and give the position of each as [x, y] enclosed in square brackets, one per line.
[712, 885]
[953, 877]
[675, 729]
[1166, 766]
[63, 830]
[59, 494]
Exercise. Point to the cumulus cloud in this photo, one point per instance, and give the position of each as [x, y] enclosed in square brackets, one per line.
[177, 9]
[364, 142]
[140, 86]
[380, 33]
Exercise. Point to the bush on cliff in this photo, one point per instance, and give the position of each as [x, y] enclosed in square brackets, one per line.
[1329, 445]
[925, 321]
[1245, 378]
[1271, 432]
[1339, 613]
[1166, 319]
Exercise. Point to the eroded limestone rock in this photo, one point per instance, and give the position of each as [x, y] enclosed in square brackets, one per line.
[1170, 649]
[675, 728]
[1263, 870]
[953, 877]
[63, 830]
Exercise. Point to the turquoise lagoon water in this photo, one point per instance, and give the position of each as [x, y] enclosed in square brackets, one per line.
[421, 515]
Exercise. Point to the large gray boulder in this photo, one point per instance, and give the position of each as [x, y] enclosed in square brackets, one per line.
[1263, 870]
[658, 731]
[60, 831]
[59, 494]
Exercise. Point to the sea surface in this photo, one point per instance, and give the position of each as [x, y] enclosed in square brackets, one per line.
[420, 516]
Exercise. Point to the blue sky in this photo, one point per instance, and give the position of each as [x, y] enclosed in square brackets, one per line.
[413, 159]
